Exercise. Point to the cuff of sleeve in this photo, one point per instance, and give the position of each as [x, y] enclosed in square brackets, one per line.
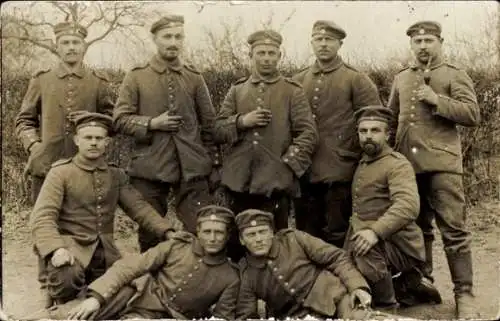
[290, 158]
[44, 251]
[94, 294]
[358, 283]
[234, 129]
[141, 124]
[438, 110]
[29, 138]
[381, 230]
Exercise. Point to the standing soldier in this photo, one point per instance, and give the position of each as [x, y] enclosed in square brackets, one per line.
[44, 123]
[335, 91]
[431, 98]
[72, 221]
[165, 105]
[383, 236]
[54, 96]
[267, 123]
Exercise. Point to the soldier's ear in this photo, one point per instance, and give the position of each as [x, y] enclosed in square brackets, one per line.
[107, 140]
[76, 138]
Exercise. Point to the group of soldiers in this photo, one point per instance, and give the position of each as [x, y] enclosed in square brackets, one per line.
[365, 182]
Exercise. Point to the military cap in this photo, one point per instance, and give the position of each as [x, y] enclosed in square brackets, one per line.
[424, 28]
[374, 112]
[215, 213]
[70, 28]
[329, 28]
[253, 217]
[85, 118]
[168, 21]
[265, 37]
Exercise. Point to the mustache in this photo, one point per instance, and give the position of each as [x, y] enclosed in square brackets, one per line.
[172, 48]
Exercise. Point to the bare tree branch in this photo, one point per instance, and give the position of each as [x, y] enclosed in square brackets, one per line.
[62, 7]
[98, 18]
[32, 41]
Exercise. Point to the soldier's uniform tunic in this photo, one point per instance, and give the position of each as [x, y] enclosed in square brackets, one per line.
[385, 200]
[262, 165]
[76, 211]
[52, 94]
[162, 160]
[301, 275]
[334, 93]
[428, 136]
[175, 279]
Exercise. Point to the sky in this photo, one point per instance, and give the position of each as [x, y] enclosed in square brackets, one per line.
[375, 29]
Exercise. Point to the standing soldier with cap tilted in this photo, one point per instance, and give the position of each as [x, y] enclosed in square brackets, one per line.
[431, 98]
[295, 273]
[335, 91]
[165, 105]
[181, 278]
[383, 236]
[72, 221]
[54, 97]
[267, 123]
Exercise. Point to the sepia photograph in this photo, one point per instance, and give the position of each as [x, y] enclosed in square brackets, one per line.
[245, 160]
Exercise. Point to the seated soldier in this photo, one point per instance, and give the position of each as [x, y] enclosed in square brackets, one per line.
[185, 277]
[295, 273]
[72, 220]
[383, 237]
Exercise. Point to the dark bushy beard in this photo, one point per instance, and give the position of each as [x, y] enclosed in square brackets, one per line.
[371, 148]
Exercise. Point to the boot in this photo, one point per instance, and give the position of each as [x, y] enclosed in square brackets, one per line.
[427, 267]
[384, 297]
[416, 289]
[460, 265]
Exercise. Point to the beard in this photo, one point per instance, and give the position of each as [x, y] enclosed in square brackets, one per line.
[371, 148]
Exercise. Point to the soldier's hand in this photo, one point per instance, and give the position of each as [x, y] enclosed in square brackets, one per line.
[363, 240]
[361, 298]
[85, 309]
[62, 257]
[166, 122]
[259, 117]
[427, 95]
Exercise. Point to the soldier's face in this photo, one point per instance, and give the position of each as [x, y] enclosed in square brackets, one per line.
[91, 141]
[425, 47]
[70, 48]
[257, 239]
[325, 47]
[373, 136]
[212, 235]
[169, 42]
[265, 59]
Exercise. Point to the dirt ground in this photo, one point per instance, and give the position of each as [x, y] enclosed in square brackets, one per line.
[21, 295]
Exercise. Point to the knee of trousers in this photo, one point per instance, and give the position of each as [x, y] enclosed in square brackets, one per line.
[66, 281]
[373, 270]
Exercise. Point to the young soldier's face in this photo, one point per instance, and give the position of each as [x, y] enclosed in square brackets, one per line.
[265, 59]
[213, 236]
[169, 42]
[257, 239]
[325, 47]
[91, 141]
[373, 136]
[70, 48]
[425, 47]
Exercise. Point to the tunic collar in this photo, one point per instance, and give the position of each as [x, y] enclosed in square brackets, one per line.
[256, 78]
[63, 70]
[89, 165]
[160, 65]
[335, 64]
[368, 159]
[209, 259]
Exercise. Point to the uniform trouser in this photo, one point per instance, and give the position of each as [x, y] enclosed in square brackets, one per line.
[189, 197]
[324, 210]
[344, 311]
[65, 282]
[442, 197]
[278, 204]
[379, 264]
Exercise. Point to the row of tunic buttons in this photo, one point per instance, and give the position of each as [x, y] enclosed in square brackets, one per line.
[260, 101]
[414, 150]
[184, 282]
[99, 199]
[280, 277]
[316, 95]
[69, 101]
